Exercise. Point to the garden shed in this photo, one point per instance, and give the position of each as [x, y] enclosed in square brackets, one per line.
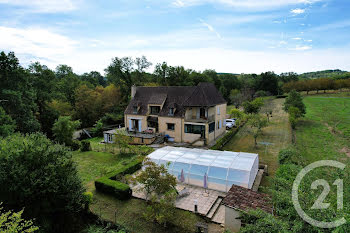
[217, 170]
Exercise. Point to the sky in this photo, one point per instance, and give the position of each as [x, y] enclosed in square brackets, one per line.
[231, 36]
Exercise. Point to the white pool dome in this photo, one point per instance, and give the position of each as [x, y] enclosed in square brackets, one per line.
[223, 168]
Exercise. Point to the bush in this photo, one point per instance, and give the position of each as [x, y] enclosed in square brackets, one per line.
[288, 156]
[88, 197]
[110, 184]
[85, 146]
[118, 189]
[97, 131]
[75, 145]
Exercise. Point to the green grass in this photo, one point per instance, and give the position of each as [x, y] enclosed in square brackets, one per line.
[329, 93]
[315, 138]
[278, 132]
[92, 165]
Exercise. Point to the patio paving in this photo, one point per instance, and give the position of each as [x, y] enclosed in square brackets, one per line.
[205, 199]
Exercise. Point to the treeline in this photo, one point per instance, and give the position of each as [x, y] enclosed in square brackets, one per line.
[316, 85]
[34, 97]
[335, 74]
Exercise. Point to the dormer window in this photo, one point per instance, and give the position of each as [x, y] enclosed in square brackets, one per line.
[155, 110]
[135, 108]
[171, 111]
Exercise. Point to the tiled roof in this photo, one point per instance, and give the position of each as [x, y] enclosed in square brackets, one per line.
[246, 199]
[204, 94]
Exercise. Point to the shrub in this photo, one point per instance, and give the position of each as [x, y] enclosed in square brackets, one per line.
[75, 145]
[97, 131]
[110, 184]
[118, 189]
[85, 146]
[88, 197]
[288, 156]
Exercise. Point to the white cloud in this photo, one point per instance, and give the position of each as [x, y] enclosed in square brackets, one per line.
[244, 4]
[301, 48]
[297, 11]
[331, 26]
[296, 38]
[39, 43]
[42, 6]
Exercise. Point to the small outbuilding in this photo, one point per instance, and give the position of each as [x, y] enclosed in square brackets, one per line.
[238, 200]
[212, 169]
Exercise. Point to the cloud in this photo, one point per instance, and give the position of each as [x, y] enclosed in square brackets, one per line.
[301, 48]
[41, 44]
[297, 11]
[296, 38]
[210, 28]
[40, 6]
[243, 4]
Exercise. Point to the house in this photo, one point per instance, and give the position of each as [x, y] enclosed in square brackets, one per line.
[240, 199]
[191, 114]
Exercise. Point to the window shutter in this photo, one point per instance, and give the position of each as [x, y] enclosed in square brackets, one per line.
[140, 126]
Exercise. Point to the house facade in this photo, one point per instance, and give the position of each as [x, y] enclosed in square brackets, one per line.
[184, 114]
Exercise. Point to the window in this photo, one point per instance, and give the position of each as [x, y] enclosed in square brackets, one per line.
[218, 124]
[171, 126]
[218, 110]
[171, 111]
[110, 137]
[202, 112]
[211, 127]
[155, 110]
[135, 109]
[195, 129]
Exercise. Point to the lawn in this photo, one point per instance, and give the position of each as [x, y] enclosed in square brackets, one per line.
[129, 213]
[314, 135]
[278, 132]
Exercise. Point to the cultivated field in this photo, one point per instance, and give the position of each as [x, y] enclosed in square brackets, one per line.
[278, 132]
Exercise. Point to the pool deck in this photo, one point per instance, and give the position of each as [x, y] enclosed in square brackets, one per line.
[208, 201]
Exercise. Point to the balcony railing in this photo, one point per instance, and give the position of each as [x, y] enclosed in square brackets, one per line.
[200, 119]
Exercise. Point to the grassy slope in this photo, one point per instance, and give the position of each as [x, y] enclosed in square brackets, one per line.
[92, 165]
[314, 138]
[278, 132]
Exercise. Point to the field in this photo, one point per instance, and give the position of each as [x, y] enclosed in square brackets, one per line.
[315, 135]
[129, 213]
[278, 132]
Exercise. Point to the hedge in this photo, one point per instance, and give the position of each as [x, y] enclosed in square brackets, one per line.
[85, 146]
[226, 138]
[110, 184]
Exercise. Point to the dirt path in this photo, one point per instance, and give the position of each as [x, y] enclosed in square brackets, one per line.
[278, 132]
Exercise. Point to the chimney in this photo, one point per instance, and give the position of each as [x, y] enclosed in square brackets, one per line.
[133, 91]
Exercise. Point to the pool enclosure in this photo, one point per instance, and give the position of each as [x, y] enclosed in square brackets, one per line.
[211, 169]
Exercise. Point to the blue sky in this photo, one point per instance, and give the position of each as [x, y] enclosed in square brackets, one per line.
[236, 36]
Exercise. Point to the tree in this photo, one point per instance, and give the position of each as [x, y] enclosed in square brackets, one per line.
[294, 115]
[11, 222]
[236, 97]
[88, 105]
[7, 125]
[253, 106]
[40, 176]
[119, 73]
[155, 179]
[64, 128]
[17, 89]
[239, 115]
[157, 183]
[97, 131]
[256, 123]
[294, 99]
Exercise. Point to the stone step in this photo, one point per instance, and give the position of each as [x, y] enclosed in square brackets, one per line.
[219, 216]
[214, 208]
